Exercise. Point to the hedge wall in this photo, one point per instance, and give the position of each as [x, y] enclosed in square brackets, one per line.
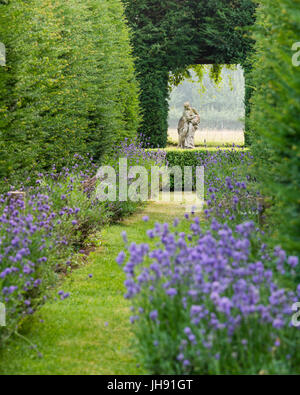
[171, 35]
[69, 83]
[275, 116]
[198, 157]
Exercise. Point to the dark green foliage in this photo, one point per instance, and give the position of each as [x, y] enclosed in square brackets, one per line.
[248, 93]
[184, 158]
[171, 35]
[197, 157]
[177, 157]
[275, 116]
[221, 105]
[69, 84]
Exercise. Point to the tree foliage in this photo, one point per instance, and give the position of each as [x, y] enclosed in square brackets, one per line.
[69, 83]
[170, 36]
[275, 115]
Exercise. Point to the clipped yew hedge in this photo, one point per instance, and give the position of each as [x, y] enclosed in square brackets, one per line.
[68, 85]
[200, 156]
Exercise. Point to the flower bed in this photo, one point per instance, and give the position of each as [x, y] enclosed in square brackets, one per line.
[216, 298]
[48, 223]
[206, 302]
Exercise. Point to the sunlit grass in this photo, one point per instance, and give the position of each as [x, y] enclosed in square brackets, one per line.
[212, 137]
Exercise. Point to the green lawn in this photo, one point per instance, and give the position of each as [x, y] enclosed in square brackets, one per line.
[89, 333]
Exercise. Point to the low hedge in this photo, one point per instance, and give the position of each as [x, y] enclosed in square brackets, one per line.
[200, 156]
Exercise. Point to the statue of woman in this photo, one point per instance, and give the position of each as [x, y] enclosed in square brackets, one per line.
[187, 127]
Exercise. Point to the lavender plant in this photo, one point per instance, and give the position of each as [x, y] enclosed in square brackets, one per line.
[207, 302]
[231, 195]
[136, 155]
[217, 298]
[27, 254]
[39, 232]
[42, 229]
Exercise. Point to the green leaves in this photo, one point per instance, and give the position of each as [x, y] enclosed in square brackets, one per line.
[275, 115]
[69, 83]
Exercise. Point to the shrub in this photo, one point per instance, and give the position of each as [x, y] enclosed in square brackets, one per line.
[275, 117]
[40, 234]
[201, 157]
[135, 155]
[231, 195]
[215, 298]
[208, 302]
[196, 157]
[69, 84]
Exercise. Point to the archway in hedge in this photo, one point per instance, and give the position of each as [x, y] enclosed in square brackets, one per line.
[170, 36]
[221, 105]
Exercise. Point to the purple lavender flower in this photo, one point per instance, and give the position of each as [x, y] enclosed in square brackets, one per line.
[120, 258]
[176, 222]
[151, 234]
[65, 296]
[124, 236]
[293, 261]
[153, 315]
[12, 289]
[171, 292]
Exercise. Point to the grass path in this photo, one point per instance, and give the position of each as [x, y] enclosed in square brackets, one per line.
[89, 333]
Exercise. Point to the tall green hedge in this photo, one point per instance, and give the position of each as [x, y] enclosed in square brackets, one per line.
[275, 115]
[171, 35]
[69, 83]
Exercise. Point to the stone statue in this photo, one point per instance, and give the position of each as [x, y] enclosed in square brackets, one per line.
[187, 127]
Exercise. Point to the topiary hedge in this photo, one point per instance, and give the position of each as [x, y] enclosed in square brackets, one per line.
[68, 85]
[275, 116]
[200, 157]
